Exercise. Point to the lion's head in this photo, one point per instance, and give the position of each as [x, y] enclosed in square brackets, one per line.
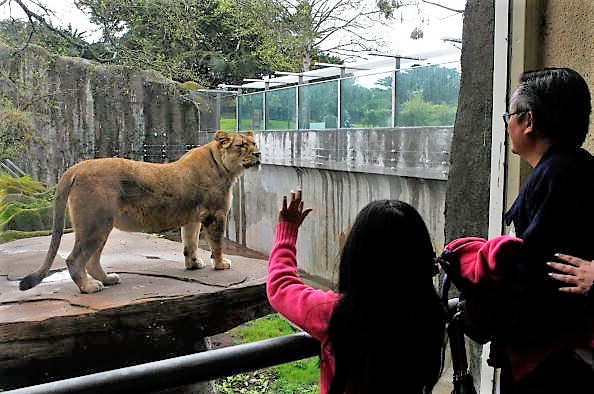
[238, 150]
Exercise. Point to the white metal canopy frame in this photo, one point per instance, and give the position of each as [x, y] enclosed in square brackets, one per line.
[379, 62]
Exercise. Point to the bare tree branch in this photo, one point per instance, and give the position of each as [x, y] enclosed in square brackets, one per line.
[442, 6]
[34, 17]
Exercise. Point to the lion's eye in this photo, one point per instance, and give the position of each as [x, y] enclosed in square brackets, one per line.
[243, 145]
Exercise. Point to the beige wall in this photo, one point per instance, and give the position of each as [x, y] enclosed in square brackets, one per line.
[549, 33]
[568, 39]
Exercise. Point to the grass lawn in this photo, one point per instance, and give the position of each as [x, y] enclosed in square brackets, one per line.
[297, 377]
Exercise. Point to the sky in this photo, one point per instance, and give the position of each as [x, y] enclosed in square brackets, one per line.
[436, 23]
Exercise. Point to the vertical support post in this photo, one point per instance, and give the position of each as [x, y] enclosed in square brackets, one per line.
[339, 120]
[298, 101]
[395, 92]
[218, 111]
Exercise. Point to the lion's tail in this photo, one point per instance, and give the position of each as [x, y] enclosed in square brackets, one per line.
[61, 199]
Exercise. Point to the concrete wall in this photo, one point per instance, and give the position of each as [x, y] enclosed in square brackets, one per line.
[338, 184]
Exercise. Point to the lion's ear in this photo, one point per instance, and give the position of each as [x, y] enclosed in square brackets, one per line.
[222, 137]
[250, 133]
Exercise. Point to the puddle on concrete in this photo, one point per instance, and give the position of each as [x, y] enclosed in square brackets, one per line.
[57, 277]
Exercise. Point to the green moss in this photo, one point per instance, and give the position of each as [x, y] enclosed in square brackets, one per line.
[25, 220]
[13, 235]
[25, 185]
[192, 85]
[25, 205]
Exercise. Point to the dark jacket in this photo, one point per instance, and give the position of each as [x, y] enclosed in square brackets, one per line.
[554, 212]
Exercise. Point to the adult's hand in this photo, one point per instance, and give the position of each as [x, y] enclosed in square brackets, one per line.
[578, 273]
[293, 212]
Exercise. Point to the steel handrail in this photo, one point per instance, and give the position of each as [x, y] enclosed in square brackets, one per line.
[185, 370]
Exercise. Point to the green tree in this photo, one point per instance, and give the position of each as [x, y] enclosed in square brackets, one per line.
[297, 29]
[436, 84]
[19, 34]
[418, 112]
[213, 41]
[190, 40]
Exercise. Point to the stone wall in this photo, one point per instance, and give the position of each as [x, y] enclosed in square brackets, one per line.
[83, 110]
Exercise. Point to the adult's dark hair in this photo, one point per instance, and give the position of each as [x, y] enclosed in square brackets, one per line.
[387, 330]
[559, 100]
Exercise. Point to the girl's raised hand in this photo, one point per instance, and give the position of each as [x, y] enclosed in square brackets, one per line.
[293, 212]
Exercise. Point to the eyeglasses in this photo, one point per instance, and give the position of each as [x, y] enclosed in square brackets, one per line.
[507, 116]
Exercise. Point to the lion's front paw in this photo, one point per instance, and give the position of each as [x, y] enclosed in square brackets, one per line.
[91, 286]
[223, 264]
[194, 263]
[111, 279]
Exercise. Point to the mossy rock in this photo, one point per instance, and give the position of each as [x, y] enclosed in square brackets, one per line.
[13, 235]
[7, 211]
[32, 220]
[26, 220]
[192, 85]
[18, 197]
[24, 184]
[26, 205]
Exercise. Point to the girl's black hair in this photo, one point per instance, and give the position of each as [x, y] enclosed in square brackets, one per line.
[387, 330]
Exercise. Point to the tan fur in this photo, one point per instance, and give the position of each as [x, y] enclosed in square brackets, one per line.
[130, 195]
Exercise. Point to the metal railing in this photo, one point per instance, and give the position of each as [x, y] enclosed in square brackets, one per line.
[11, 168]
[184, 370]
[209, 365]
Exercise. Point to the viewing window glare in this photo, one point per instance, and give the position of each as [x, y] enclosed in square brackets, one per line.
[228, 120]
[280, 109]
[318, 105]
[251, 111]
[367, 101]
[427, 96]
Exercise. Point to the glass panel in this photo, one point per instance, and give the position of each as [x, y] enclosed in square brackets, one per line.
[280, 109]
[427, 96]
[367, 101]
[318, 105]
[228, 114]
[251, 111]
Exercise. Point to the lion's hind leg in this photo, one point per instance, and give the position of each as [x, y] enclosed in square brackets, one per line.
[88, 244]
[190, 234]
[96, 271]
[76, 262]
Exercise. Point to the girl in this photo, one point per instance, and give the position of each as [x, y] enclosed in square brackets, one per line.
[385, 274]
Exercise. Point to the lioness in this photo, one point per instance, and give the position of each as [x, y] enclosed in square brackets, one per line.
[148, 197]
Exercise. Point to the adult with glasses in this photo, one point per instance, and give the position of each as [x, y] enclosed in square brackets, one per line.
[545, 342]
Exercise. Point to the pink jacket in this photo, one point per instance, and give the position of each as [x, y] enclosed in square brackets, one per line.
[486, 261]
[307, 307]
[483, 261]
